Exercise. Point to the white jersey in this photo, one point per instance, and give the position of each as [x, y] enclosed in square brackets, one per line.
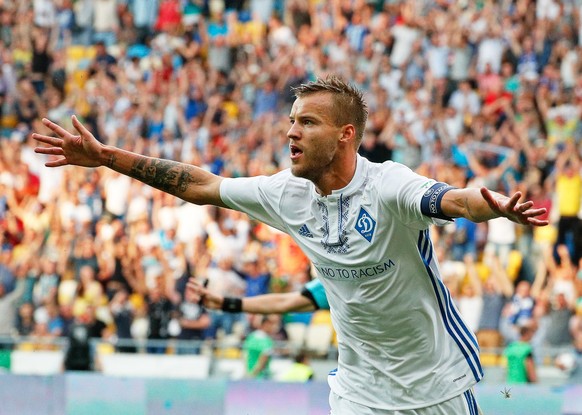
[402, 342]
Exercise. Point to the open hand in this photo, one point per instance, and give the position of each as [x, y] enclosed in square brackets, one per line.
[79, 150]
[510, 208]
[208, 298]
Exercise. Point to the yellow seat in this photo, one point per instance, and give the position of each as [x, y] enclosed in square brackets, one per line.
[490, 359]
[228, 353]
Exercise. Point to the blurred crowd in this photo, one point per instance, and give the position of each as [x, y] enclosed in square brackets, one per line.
[473, 93]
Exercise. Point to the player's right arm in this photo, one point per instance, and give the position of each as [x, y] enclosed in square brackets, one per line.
[185, 181]
[274, 303]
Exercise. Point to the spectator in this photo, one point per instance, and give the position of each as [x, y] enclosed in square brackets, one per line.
[105, 22]
[42, 49]
[123, 313]
[470, 299]
[7, 277]
[79, 355]
[25, 320]
[83, 28]
[194, 320]
[169, 15]
[103, 59]
[553, 314]
[518, 311]
[85, 254]
[569, 194]
[44, 13]
[255, 273]
[266, 100]
[46, 287]
[465, 101]
[259, 347]
[159, 309]
[228, 236]
[226, 282]
[300, 371]
[497, 291]
[521, 367]
[500, 240]
[464, 239]
[145, 13]
[562, 275]
[8, 309]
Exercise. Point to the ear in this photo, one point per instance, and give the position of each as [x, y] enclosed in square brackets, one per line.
[348, 133]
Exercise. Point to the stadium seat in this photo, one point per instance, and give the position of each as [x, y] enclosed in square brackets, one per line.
[324, 317]
[230, 347]
[296, 334]
[490, 359]
[318, 338]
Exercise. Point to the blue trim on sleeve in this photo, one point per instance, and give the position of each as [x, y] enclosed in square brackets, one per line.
[430, 204]
[315, 288]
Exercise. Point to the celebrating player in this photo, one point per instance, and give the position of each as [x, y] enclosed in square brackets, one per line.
[402, 345]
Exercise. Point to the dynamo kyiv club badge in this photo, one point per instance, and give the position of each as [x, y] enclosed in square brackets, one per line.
[365, 224]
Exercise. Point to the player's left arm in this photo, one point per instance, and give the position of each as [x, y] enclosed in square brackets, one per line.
[479, 205]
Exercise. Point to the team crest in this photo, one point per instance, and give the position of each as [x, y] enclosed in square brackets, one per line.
[365, 225]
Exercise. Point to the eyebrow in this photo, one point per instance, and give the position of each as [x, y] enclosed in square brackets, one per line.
[303, 117]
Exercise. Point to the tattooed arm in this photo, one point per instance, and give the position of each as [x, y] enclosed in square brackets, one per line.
[479, 205]
[185, 181]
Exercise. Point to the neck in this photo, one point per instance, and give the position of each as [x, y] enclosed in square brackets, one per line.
[337, 178]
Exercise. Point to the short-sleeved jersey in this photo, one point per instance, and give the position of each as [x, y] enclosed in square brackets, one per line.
[398, 330]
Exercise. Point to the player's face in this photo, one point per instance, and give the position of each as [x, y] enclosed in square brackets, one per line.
[313, 137]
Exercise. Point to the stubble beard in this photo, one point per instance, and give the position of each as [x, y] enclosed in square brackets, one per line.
[304, 172]
[312, 172]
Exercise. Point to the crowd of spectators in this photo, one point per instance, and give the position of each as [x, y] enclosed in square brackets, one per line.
[473, 93]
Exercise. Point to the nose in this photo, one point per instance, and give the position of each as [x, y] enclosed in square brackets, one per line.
[293, 132]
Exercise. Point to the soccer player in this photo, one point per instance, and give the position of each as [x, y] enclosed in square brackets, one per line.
[402, 345]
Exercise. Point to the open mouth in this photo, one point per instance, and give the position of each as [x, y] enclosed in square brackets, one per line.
[295, 151]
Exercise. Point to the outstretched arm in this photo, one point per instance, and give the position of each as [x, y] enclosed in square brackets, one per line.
[479, 205]
[275, 303]
[185, 181]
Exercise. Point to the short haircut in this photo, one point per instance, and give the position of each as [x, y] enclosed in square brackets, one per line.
[349, 106]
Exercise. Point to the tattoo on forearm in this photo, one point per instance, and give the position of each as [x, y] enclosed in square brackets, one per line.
[166, 175]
